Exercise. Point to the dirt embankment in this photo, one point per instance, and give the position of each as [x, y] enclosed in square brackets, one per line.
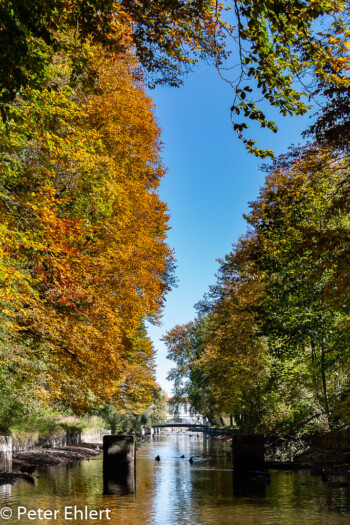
[44, 457]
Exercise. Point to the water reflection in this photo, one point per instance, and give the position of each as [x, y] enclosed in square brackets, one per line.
[5, 491]
[175, 491]
[245, 485]
[119, 483]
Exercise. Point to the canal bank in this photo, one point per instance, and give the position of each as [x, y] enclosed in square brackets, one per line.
[329, 453]
[39, 457]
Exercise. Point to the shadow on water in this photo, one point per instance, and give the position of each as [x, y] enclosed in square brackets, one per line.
[249, 484]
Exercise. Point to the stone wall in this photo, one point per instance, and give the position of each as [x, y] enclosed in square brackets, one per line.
[59, 439]
[95, 437]
[338, 440]
[8, 445]
[5, 454]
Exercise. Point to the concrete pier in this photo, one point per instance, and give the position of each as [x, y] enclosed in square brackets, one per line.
[5, 454]
[248, 452]
[119, 464]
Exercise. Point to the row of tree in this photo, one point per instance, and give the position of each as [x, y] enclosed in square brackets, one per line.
[83, 238]
[269, 347]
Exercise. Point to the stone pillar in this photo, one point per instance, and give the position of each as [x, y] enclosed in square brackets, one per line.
[140, 433]
[248, 452]
[119, 464]
[5, 454]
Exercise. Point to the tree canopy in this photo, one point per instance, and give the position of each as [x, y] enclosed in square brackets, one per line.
[295, 54]
[167, 37]
[83, 234]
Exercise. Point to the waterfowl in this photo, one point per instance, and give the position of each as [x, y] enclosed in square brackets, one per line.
[157, 458]
[191, 460]
[27, 469]
[182, 456]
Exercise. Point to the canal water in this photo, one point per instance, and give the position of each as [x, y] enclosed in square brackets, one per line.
[175, 491]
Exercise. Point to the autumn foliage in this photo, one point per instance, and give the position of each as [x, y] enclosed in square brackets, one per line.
[84, 262]
[83, 235]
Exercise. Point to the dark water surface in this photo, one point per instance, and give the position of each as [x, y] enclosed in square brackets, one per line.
[175, 491]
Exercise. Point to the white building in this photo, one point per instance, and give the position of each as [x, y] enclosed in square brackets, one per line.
[182, 412]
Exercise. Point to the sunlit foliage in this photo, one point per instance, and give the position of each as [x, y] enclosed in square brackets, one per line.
[84, 258]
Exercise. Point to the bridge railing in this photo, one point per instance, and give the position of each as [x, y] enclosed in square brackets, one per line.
[182, 424]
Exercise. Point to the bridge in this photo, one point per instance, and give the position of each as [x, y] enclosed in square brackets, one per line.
[180, 425]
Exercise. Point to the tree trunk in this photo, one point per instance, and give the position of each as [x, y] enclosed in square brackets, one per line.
[323, 375]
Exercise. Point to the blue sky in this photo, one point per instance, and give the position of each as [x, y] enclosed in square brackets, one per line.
[210, 180]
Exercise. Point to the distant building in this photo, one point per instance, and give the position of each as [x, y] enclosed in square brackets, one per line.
[182, 412]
